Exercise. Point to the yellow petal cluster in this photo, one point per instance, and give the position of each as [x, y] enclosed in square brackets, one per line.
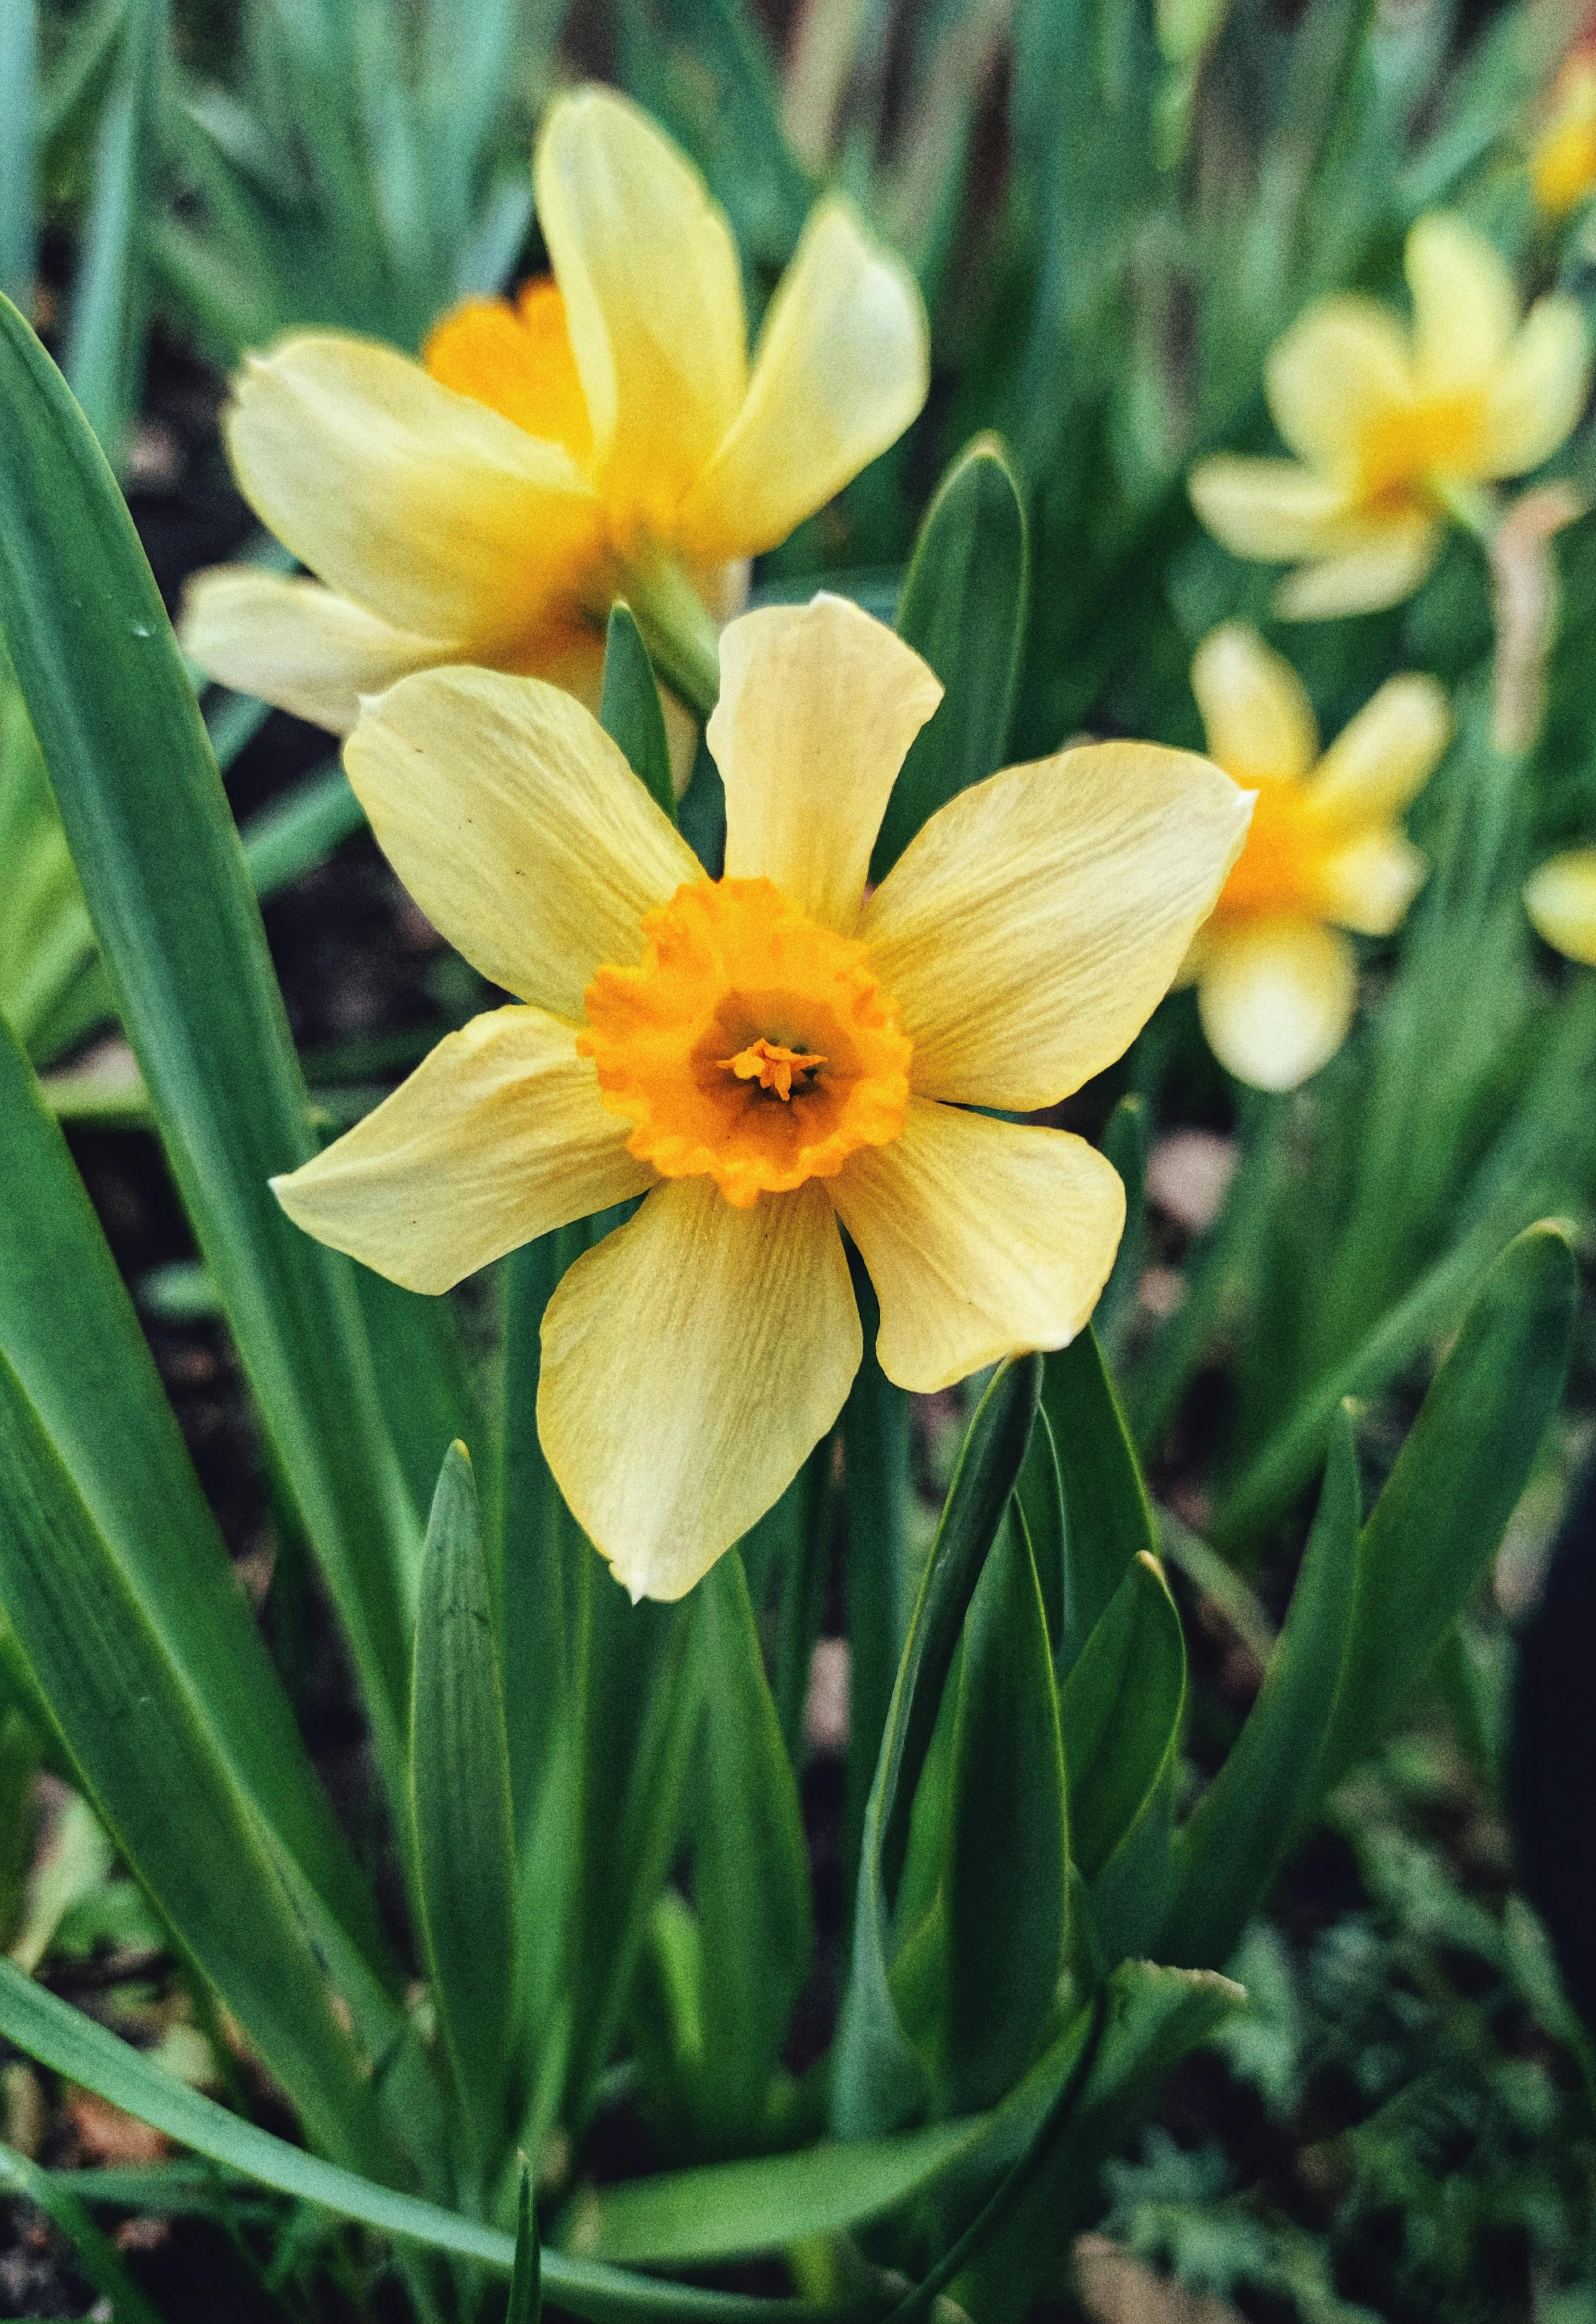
[1560, 897]
[692, 1360]
[606, 434]
[1276, 975]
[1563, 163]
[1389, 420]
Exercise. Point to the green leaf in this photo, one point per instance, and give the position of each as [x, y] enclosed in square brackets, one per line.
[159, 857]
[1125, 1145]
[299, 831]
[1040, 1495]
[18, 149]
[144, 1762]
[1446, 1503]
[52, 988]
[877, 1497]
[750, 1866]
[69, 1332]
[526, 2281]
[1006, 1888]
[729, 2210]
[531, 1576]
[881, 2080]
[460, 1795]
[67, 2041]
[963, 609]
[105, 351]
[631, 712]
[1108, 1518]
[1228, 1852]
[97, 2255]
[1119, 1711]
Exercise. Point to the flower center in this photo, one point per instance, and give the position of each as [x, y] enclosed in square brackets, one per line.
[1399, 448]
[1280, 868]
[751, 1045]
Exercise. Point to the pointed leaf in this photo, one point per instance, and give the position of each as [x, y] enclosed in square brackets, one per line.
[526, 2281]
[1121, 1711]
[1108, 1518]
[631, 712]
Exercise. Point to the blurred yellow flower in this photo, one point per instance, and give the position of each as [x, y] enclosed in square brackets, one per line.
[1563, 162]
[761, 1056]
[1560, 897]
[1394, 424]
[604, 435]
[1277, 979]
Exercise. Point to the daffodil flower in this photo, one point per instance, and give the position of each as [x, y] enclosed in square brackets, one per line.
[604, 436]
[1563, 163]
[1560, 897]
[1397, 428]
[765, 1058]
[1277, 978]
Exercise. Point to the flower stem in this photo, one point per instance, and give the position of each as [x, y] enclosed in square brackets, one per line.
[680, 633]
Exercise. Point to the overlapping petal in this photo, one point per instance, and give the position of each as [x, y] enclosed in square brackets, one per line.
[1270, 510]
[1256, 713]
[1560, 897]
[1368, 885]
[653, 296]
[1343, 362]
[294, 643]
[1034, 923]
[1275, 999]
[841, 369]
[691, 1364]
[983, 1239]
[425, 507]
[1389, 564]
[499, 1135]
[1385, 755]
[818, 704]
[517, 825]
[1539, 392]
[1465, 306]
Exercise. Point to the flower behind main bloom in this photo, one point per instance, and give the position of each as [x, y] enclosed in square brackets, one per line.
[1560, 896]
[1389, 420]
[1277, 978]
[760, 1056]
[604, 436]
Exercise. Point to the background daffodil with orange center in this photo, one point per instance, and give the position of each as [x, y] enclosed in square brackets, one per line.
[762, 1056]
[1560, 896]
[1395, 425]
[1277, 978]
[604, 436]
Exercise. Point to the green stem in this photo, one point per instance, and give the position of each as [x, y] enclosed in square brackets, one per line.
[680, 632]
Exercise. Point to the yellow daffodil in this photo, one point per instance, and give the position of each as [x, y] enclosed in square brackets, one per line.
[761, 1056]
[1563, 163]
[604, 436]
[1277, 978]
[1395, 425]
[1560, 897]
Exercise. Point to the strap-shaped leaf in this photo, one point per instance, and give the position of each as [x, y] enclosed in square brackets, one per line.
[179, 929]
[880, 2079]
[1040, 1495]
[460, 1797]
[526, 2278]
[632, 715]
[1119, 1711]
[1008, 1833]
[1231, 1850]
[1108, 1518]
[105, 352]
[963, 608]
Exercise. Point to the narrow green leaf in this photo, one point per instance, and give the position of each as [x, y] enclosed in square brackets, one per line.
[750, 1867]
[18, 149]
[1228, 1852]
[1446, 1503]
[460, 1796]
[632, 714]
[1040, 1495]
[159, 857]
[1006, 1887]
[1125, 1145]
[963, 609]
[143, 1761]
[104, 338]
[98, 2256]
[532, 1577]
[731, 2210]
[299, 832]
[1108, 1518]
[1121, 1711]
[881, 2080]
[877, 1495]
[67, 2041]
[526, 2280]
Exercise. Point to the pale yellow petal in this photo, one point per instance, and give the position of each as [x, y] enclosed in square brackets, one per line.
[690, 1365]
[1385, 755]
[517, 825]
[653, 294]
[423, 506]
[1271, 510]
[1255, 712]
[1465, 307]
[1033, 924]
[818, 704]
[1343, 362]
[1276, 997]
[983, 1238]
[841, 369]
[1368, 885]
[1388, 566]
[1538, 393]
[1560, 897]
[499, 1135]
[295, 644]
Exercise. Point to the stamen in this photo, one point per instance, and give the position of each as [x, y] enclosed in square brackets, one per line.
[771, 1065]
